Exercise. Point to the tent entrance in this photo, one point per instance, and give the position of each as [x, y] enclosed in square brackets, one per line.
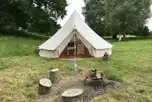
[81, 50]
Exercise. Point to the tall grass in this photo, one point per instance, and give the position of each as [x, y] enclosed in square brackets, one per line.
[21, 68]
[13, 46]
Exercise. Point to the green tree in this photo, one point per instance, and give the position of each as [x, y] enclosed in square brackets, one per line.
[33, 15]
[13, 14]
[143, 31]
[118, 16]
[95, 15]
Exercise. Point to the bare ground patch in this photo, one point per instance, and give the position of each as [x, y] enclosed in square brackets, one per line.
[91, 89]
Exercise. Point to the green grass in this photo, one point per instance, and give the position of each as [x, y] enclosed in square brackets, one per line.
[21, 68]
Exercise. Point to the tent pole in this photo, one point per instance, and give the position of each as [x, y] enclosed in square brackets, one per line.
[75, 64]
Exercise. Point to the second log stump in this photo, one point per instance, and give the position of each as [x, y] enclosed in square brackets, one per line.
[73, 95]
[55, 75]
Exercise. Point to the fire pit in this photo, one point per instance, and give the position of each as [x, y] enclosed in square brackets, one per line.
[94, 75]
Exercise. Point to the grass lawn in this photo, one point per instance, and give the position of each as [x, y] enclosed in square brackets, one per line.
[21, 68]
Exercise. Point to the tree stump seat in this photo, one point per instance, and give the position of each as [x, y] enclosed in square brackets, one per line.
[54, 75]
[44, 86]
[73, 95]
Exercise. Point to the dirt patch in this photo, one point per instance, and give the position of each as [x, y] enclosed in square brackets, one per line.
[91, 89]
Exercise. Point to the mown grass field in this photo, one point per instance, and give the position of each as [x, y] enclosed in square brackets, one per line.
[21, 68]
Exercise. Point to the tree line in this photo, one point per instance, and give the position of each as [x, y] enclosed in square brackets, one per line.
[113, 17]
[105, 17]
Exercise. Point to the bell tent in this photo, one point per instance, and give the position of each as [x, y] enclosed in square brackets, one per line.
[75, 37]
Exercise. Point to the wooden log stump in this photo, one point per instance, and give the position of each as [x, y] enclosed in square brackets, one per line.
[73, 95]
[55, 75]
[44, 86]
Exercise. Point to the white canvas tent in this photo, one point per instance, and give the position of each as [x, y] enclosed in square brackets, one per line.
[54, 46]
